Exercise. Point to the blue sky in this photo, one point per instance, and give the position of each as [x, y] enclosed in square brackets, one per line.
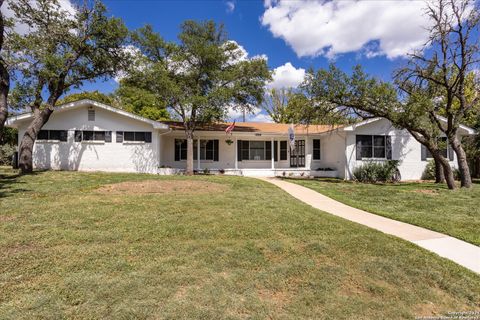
[243, 24]
[294, 35]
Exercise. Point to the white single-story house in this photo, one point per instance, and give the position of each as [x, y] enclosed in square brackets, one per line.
[90, 136]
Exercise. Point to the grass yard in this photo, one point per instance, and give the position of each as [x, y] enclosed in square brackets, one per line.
[123, 246]
[429, 205]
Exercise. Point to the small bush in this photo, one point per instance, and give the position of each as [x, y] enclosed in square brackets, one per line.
[372, 172]
[429, 172]
[6, 153]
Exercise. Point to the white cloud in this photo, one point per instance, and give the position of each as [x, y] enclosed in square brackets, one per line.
[230, 6]
[255, 115]
[329, 28]
[287, 76]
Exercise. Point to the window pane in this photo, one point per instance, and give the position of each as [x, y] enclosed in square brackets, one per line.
[257, 150]
[129, 136]
[54, 135]
[379, 152]
[366, 152]
[87, 135]
[364, 141]
[183, 154]
[379, 141]
[42, 135]
[140, 136]
[99, 135]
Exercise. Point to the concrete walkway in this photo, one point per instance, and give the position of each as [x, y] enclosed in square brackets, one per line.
[461, 252]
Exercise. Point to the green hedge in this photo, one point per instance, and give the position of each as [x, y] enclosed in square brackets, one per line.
[373, 171]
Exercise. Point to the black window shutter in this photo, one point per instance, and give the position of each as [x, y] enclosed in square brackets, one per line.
[316, 149]
[358, 149]
[268, 150]
[275, 151]
[78, 136]
[148, 137]
[239, 150]
[215, 150]
[63, 135]
[450, 152]
[119, 137]
[177, 150]
[283, 150]
[388, 145]
[424, 152]
[108, 136]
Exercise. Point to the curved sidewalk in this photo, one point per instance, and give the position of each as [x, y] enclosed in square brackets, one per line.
[461, 252]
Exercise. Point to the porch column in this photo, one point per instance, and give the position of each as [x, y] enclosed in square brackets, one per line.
[236, 154]
[198, 154]
[273, 153]
[307, 163]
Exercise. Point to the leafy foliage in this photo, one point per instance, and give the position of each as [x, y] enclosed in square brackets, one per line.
[141, 102]
[92, 95]
[373, 171]
[6, 154]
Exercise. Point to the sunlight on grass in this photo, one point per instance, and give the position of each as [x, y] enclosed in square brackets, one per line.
[246, 250]
[429, 205]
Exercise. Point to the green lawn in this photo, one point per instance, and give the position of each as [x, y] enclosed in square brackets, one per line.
[234, 248]
[433, 206]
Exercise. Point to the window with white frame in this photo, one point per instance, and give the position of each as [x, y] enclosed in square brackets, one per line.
[52, 135]
[373, 147]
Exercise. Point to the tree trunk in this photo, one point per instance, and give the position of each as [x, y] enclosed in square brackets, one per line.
[447, 170]
[465, 178]
[4, 80]
[40, 117]
[189, 154]
[439, 172]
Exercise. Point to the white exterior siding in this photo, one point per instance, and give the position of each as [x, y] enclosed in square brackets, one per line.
[404, 148]
[338, 147]
[95, 156]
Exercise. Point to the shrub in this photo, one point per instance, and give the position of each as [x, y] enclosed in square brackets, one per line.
[372, 172]
[429, 172]
[6, 154]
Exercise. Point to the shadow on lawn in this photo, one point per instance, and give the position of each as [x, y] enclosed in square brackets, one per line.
[10, 184]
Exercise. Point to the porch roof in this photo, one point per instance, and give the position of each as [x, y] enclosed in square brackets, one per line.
[257, 127]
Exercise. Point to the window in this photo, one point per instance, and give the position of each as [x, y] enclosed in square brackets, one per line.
[137, 136]
[376, 147]
[180, 149]
[316, 149]
[254, 150]
[89, 135]
[208, 150]
[283, 150]
[257, 150]
[56, 135]
[445, 150]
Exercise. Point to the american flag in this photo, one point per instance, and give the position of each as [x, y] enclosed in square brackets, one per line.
[230, 128]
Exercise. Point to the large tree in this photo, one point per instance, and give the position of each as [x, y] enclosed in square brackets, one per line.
[199, 77]
[441, 70]
[4, 73]
[368, 96]
[61, 51]
[140, 101]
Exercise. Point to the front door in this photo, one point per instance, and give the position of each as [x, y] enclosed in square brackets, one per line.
[297, 156]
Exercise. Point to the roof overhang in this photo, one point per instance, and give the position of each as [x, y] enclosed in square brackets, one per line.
[15, 120]
[464, 130]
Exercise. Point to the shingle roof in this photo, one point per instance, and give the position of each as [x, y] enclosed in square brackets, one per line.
[259, 127]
